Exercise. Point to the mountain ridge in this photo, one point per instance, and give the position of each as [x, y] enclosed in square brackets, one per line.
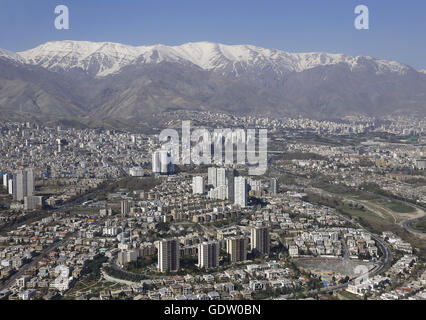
[110, 81]
[112, 57]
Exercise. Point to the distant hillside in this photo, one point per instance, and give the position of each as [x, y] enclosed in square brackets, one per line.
[114, 83]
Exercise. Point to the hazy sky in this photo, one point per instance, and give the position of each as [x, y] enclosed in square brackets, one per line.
[397, 28]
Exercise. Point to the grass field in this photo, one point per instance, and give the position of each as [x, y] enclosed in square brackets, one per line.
[365, 215]
[388, 209]
[366, 196]
[420, 224]
[348, 296]
[400, 207]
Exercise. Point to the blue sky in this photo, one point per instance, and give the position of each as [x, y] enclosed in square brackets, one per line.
[397, 28]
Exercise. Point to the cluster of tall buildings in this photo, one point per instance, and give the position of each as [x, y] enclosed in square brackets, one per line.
[226, 186]
[237, 248]
[223, 184]
[161, 162]
[19, 184]
[217, 177]
[218, 183]
[169, 255]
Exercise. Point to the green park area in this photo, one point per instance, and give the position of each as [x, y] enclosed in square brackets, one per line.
[420, 224]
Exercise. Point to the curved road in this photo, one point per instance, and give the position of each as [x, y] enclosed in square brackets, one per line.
[384, 262]
[407, 224]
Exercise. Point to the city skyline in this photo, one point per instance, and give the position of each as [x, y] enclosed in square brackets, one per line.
[209, 170]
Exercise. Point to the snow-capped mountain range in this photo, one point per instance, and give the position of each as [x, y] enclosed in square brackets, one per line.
[5, 54]
[105, 58]
[104, 81]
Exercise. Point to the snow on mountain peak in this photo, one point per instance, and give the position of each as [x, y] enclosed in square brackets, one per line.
[5, 54]
[105, 58]
[101, 58]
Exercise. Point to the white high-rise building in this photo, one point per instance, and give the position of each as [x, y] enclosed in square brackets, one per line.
[212, 176]
[164, 159]
[59, 142]
[23, 184]
[241, 191]
[208, 255]
[10, 187]
[273, 188]
[19, 181]
[156, 163]
[217, 177]
[197, 185]
[30, 182]
[222, 192]
[220, 177]
[5, 180]
[219, 193]
[161, 163]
